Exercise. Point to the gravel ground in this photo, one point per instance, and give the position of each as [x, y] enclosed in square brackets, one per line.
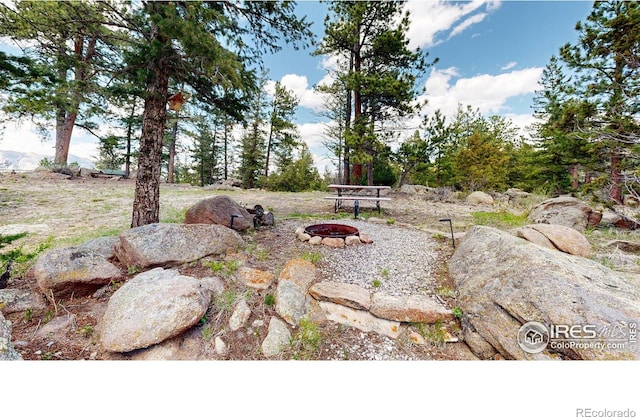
[400, 261]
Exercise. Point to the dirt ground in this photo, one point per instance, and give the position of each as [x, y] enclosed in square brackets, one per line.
[63, 212]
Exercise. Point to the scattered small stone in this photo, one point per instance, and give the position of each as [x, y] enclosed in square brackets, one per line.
[220, 346]
[417, 338]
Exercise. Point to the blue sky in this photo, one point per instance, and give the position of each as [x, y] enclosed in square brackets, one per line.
[491, 55]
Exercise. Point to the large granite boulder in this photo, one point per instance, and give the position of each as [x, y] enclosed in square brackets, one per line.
[566, 211]
[72, 268]
[220, 209]
[555, 236]
[163, 244]
[152, 307]
[505, 282]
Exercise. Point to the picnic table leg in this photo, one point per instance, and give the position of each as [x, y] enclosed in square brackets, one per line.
[356, 209]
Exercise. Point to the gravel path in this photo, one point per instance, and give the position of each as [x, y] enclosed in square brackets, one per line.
[400, 261]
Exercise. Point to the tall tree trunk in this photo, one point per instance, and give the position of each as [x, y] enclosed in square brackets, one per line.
[347, 131]
[63, 139]
[616, 177]
[66, 118]
[357, 108]
[573, 173]
[226, 147]
[127, 160]
[172, 152]
[269, 142]
[146, 203]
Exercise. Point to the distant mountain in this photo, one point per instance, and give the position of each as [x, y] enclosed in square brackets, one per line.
[28, 161]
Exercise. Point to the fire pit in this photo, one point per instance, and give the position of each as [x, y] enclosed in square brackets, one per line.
[332, 234]
[331, 230]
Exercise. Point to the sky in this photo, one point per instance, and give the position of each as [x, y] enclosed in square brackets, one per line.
[491, 55]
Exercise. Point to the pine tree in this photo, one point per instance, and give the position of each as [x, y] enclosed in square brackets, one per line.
[68, 47]
[201, 45]
[608, 77]
[283, 133]
[381, 72]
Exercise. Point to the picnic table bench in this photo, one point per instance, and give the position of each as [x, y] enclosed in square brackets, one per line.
[357, 193]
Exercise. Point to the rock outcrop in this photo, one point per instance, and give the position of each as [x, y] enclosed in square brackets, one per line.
[566, 211]
[555, 236]
[505, 282]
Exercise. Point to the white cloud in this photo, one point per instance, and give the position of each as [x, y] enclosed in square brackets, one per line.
[299, 86]
[489, 93]
[508, 66]
[430, 18]
[467, 23]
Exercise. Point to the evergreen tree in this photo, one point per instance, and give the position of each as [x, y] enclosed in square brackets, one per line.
[68, 47]
[252, 153]
[481, 164]
[606, 61]
[283, 132]
[381, 73]
[300, 175]
[202, 45]
[563, 149]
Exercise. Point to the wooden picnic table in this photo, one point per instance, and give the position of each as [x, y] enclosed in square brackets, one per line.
[357, 193]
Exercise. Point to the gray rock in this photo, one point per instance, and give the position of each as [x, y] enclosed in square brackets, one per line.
[534, 236]
[154, 306]
[165, 244]
[213, 284]
[362, 320]
[516, 193]
[505, 282]
[277, 338]
[291, 303]
[103, 246]
[240, 315]
[57, 328]
[479, 198]
[349, 295]
[14, 300]
[563, 238]
[619, 221]
[565, 211]
[219, 210]
[624, 245]
[412, 189]
[62, 269]
[220, 346]
[7, 350]
[188, 346]
[413, 308]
